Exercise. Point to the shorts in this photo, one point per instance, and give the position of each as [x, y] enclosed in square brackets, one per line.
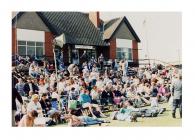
[85, 105]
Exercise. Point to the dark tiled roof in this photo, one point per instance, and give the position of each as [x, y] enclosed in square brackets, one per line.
[112, 25]
[78, 29]
[75, 25]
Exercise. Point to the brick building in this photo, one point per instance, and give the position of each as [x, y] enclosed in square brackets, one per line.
[34, 32]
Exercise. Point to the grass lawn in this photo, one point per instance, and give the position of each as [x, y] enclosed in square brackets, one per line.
[164, 119]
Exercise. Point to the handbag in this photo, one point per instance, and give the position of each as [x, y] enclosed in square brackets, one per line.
[72, 104]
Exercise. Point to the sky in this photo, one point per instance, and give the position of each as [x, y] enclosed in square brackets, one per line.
[160, 33]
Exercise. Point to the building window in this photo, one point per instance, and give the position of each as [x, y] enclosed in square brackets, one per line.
[30, 48]
[122, 53]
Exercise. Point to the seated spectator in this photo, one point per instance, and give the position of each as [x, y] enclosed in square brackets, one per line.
[42, 88]
[82, 120]
[106, 96]
[117, 95]
[28, 119]
[55, 98]
[163, 93]
[34, 105]
[61, 86]
[73, 94]
[82, 83]
[33, 72]
[95, 95]
[154, 101]
[125, 113]
[100, 83]
[93, 78]
[107, 80]
[94, 68]
[153, 89]
[85, 100]
[41, 80]
[45, 103]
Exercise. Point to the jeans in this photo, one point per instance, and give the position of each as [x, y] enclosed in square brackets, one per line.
[177, 103]
[90, 120]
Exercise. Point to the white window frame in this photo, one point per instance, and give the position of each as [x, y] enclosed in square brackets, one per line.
[121, 43]
[131, 52]
[26, 46]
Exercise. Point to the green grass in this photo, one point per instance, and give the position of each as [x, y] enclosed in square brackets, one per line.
[162, 120]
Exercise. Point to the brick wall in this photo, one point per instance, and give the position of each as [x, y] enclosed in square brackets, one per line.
[14, 44]
[135, 50]
[48, 44]
[112, 50]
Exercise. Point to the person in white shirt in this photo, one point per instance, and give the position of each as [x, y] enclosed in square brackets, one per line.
[34, 104]
[52, 80]
[55, 95]
[100, 84]
[42, 88]
[61, 86]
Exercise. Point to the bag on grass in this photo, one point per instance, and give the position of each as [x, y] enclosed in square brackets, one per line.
[72, 104]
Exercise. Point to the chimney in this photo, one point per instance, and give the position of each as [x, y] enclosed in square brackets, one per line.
[95, 18]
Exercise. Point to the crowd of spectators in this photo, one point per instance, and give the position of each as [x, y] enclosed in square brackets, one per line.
[93, 86]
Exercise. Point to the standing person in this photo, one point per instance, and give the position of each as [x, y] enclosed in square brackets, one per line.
[113, 64]
[177, 96]
[101, 61]
[85, 57]
[122, 63]
[20, 87]
[92, 62]
[52, 80]
[126, 64]
[75, 57]
[116, 66]
[15, 95]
